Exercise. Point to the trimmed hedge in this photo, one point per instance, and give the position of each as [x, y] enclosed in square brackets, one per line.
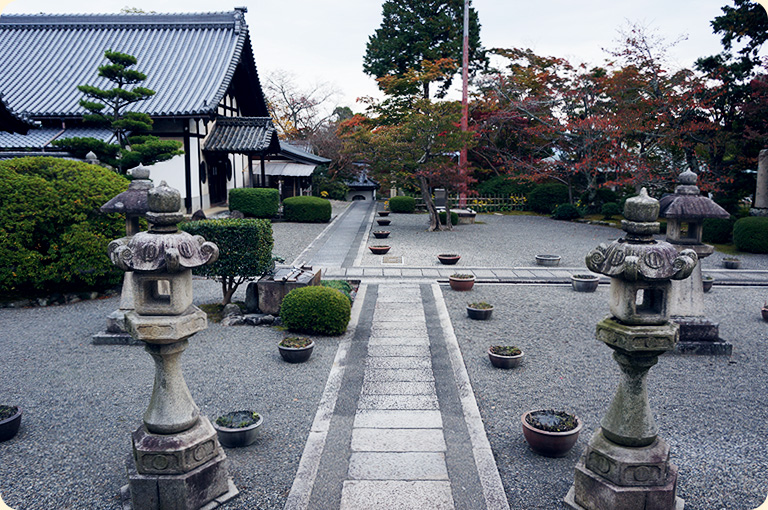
[546, 197]
[316, 310]
[454, 218]
[52, 236]
[566, 212]
[717, 230]
[245, 250]
[256, 202]
[342, 286]
[505, 185]
[403, 204]
[307, 209]
[610, 209]
[751, 234]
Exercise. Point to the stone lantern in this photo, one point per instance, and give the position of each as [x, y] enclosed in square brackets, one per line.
[177, 462]
[686, 211]
[133, 203]
[626, 465]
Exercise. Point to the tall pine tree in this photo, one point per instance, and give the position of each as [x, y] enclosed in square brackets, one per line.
[414, 31]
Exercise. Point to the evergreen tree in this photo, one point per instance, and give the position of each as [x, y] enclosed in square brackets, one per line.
[414, 31]
[108, 108]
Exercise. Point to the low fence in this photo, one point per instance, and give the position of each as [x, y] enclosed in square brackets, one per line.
[483, 203]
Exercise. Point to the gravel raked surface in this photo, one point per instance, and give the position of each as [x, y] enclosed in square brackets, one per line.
[81, 402]
[711, 409]
[497, 240]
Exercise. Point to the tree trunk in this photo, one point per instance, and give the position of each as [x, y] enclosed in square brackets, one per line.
[434, 221]
[227, 289]
[448, 223]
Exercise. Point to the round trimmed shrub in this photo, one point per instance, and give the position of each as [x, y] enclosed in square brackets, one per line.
[717, 230]
[505, 185]
[307, 209]
[315, 310]
[256, 202]
[54, 239]
[404, 205]
[610, 209]
[566, 212]
[751, 234]
[546, 197]
[454, 218]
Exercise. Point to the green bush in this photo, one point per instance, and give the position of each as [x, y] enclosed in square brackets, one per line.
[546, 197]
[566, 212]
[315, 310]
[307, 209]
[505, 185]
[342, 286]
[454, 218]
[245, 250]
[751, 234]
[52, 236]
[256, 202]
[402, 204]
[610, 209]
[335, 189]
[717, 230]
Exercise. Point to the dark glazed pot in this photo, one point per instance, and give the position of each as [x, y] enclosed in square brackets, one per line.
[379, 250]
[383, 223]
[479, 314]
[383, 213]
[764, 313]
[731, 263]
[381, 234]
[584, 282]
[550, 444]
[706, 283]
[548, 260]
[449, 259]
[499, 361]
[296, 354]
[237, 437]
[10, 426]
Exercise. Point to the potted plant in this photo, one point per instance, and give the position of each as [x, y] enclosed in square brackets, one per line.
[381, 234]
[448, 259]
[10, 420]
[461, 282]
[384, 213]
[731, 262]
[238, 428]
[707, 282]
[479, 311]
[505, 356]
[296, 349]
[548, 260]
[764, 312]
[551, 433]
[383, 223]
[379, 249]
[584, 282]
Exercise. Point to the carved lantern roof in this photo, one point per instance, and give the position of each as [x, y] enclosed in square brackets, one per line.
[164, 248]
[638, 256]
[688, 203]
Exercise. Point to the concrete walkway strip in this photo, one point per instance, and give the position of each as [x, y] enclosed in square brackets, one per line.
[493, 490]
[301, 490]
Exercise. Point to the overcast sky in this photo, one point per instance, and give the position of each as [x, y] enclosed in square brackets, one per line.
[324, 40]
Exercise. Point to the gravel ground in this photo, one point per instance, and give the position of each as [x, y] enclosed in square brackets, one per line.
[711, 409]
[81, 402]
[506, 241]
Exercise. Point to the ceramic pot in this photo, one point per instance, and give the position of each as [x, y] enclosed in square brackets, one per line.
[584, 282]
[296, 354]
[706, 283]
[381, 234]
[499, 361]
[449, 259]
[548, 260]
[461, 284]
[379, 250]
[731, 264]
[764, 313]
[237, 437]
[383, 223]
[479, 314]
[383, 213]
[10, 426]
[550, 444]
